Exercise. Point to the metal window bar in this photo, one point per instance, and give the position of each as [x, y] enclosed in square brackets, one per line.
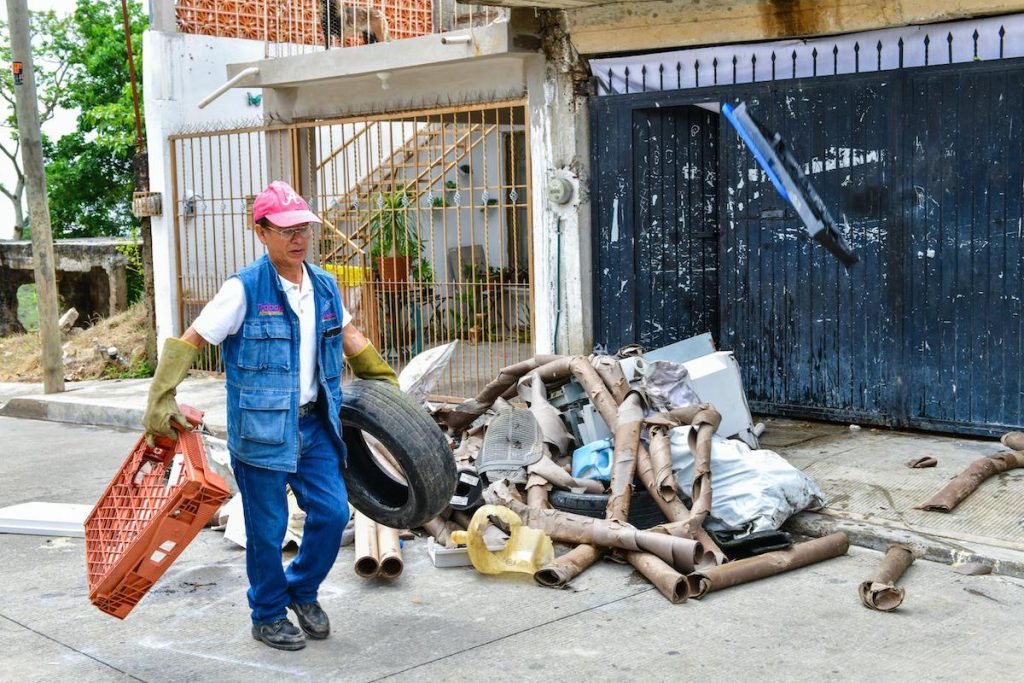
[426, 225]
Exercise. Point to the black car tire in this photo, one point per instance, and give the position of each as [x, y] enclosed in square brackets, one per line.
[412, 438]
[643, 511]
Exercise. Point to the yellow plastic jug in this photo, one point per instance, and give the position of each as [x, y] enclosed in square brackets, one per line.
[526, 550]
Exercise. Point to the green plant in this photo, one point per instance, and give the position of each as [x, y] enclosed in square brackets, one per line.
[422, 272]
[392, 226]
[121, 371]
[450, 184]
[439, 202]
[135, 269]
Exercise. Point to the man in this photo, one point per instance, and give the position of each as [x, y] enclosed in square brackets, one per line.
[282, 328]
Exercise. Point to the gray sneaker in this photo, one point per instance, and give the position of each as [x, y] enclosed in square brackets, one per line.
[280, 634]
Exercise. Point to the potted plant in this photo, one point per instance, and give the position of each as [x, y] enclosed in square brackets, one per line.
[395, 244]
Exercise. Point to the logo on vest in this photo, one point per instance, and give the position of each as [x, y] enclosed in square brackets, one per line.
[328, 316]
[270, 309]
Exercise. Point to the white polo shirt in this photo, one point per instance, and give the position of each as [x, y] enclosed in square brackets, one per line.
[225, 313]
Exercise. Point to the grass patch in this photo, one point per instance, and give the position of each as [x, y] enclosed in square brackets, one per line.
[28, 307]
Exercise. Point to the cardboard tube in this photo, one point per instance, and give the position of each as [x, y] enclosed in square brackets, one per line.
[440, 530]
[922, 462]
[562, 570]
[661, 462]
[704, 425]
[389, 553]
[682, 553]
[565, 568]
[881, 593]
[463, 415]
[1013, 440]
[367, 555]
[769, 564]
[555, 475]
[629, 419]
[556, 436]
[667, 580]
[965, 483]
[675, 511]
[537, 488]
[610, 372]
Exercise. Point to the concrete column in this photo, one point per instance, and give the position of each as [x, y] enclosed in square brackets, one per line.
[559, 134]
[161, 16]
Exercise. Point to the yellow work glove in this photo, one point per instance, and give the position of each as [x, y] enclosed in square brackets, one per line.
[175, 361]
[367, 364]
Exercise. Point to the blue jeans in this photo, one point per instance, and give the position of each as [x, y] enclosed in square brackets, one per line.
[320, 491]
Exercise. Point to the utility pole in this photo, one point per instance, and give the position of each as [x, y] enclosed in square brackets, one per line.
[140, 165]
[35, 187]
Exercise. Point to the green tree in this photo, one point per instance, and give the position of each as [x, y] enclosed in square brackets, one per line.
[89, 171]
[52, 50]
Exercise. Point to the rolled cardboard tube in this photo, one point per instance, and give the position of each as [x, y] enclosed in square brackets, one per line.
[1013, 440]
[611, 374]
[565, 568]
[761, 566]
[628, 421]
[667, 580]
[367, 555]
[965, 483]
[463, 415]
[881, 592]
[537, 489]
[546, 468]
[682, 553]
[389, 553]
[675, 511]
[660, 449]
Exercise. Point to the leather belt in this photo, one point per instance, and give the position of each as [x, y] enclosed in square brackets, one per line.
[307, 409]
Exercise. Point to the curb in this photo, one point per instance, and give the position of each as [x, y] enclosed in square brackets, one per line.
[83, 414]
[951, 551]
[73, 413]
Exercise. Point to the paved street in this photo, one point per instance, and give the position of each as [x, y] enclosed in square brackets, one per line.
[444, 624]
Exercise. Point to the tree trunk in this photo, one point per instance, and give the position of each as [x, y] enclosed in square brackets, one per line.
[19, 217]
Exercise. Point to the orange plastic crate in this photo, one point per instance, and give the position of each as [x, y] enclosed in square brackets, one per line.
[143, 521]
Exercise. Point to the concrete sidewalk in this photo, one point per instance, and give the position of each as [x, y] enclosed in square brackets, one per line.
[871, 493]
[116, 403]
[456, 624]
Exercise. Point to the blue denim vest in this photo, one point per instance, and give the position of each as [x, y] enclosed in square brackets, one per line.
[261, 361]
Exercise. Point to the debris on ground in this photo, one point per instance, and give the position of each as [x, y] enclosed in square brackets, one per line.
[85, 350]
[881, 592]
[602, 428]
[44, 519]
[970, 479]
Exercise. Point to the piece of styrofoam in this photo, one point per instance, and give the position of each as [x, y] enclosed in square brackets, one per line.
[45, 519]
[447, 557]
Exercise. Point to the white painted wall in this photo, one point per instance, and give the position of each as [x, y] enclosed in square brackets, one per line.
[179, 71]
[182, 69]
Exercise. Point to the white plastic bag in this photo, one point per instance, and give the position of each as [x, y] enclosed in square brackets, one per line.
[419, 377]
[750, 490]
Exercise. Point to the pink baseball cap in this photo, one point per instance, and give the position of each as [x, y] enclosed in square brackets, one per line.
[282, 206]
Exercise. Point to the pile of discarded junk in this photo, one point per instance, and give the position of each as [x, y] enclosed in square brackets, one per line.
[615, 455]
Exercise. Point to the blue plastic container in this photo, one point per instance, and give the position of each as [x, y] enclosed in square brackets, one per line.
[593, 461]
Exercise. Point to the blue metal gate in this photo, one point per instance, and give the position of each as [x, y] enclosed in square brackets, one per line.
[920, 167]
